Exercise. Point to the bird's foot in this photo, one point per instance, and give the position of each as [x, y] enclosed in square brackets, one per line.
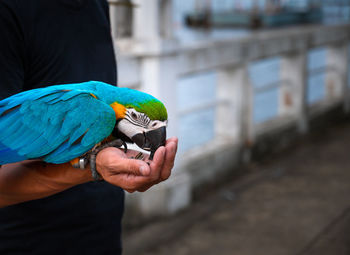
[139, 156]
[93, 153]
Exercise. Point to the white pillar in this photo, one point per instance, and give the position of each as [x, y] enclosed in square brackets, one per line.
[166, 19]
[152, 19]
[146, 17]
[337, 78]
[159, 78]
[347, 88]
[294, 97]
[234, 119]
[247, 112]
[113, 17]
[120, 12]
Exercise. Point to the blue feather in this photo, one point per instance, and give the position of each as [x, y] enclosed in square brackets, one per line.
[49, 122]
[9, 156]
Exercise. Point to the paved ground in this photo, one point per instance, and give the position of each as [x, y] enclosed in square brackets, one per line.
[296, 203]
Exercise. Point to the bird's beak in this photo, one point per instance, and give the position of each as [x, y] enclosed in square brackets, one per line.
[151, 140]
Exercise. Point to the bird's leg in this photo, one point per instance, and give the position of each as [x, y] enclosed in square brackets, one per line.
[94, 172]
[125, 147]
[139, 156]
[151, 155]
[93, 153]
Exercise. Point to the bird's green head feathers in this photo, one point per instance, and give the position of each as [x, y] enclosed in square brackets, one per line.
[143, 103]
[153, 108]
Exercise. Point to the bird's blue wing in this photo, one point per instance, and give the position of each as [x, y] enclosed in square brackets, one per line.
[55, 125]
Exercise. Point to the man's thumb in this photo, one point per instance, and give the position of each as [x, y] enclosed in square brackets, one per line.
[138, 167]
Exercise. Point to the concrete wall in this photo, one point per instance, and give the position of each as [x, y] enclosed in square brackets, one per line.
[153, 61]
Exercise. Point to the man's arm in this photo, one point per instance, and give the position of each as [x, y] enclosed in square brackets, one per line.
[30, 180]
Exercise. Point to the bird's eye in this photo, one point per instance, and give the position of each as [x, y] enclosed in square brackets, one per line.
[154, 124]
[134, 116]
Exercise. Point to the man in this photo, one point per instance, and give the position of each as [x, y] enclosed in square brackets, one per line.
[57, 209]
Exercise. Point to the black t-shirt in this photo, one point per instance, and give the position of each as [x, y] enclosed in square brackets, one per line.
[46, 42]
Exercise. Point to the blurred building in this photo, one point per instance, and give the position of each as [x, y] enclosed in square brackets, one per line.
[232, 94]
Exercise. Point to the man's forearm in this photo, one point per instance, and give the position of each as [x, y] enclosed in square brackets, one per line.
[30, 180]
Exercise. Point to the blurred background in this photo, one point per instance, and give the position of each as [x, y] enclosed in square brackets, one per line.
[258, 93]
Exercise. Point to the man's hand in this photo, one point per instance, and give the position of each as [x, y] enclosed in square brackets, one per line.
[121, 170]
[34, 179]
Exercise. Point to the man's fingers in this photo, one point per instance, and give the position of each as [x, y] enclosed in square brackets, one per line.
[138, 167]
[137, 175]
[157, 163]
[128, 182]
[133, 166]
[171, 140]
[171, 149]
[143, 183]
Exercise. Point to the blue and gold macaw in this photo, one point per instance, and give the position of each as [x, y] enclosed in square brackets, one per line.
[60, 123]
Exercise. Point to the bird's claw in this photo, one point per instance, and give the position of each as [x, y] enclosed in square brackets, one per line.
[139, 156]
[151, 155]
[125, 147]
[93, 153]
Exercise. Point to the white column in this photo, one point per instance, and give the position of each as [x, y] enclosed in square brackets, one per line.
[337, 78]
[113, 17]
[234, 119]
[346, 82]
[151, 23]
[146, 19]
[159, 78]
[120, 12]
[153, 19]
[294, 97]
[166, 19]
[247, 112]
